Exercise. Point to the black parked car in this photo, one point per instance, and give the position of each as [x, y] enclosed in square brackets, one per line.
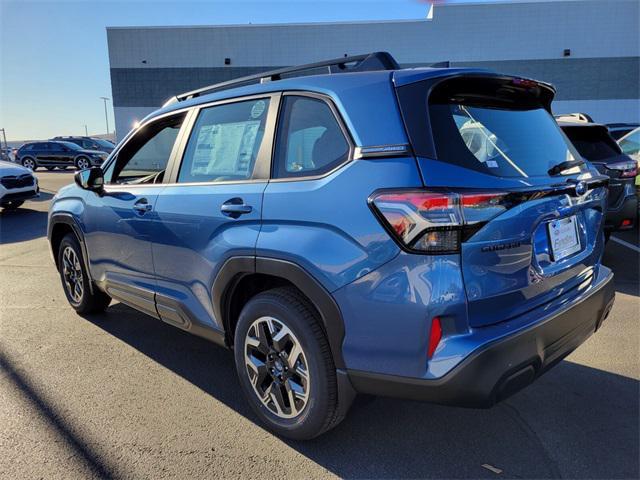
[54, 154]
[89, 143]
[596, 145]
[619, 130]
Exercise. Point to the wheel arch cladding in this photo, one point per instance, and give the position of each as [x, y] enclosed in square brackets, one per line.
[266, 273]
[61, 224]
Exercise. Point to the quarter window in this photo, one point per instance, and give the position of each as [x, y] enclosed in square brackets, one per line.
[224, 142]
[144, 158]
[310, 141]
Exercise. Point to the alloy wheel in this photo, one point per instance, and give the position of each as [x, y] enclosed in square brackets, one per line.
[83, 163]
[277, 367]
[28, 163]
[72, 273]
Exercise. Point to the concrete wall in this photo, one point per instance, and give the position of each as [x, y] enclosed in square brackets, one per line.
[600, 77]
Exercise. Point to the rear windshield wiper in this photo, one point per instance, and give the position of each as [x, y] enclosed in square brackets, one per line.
[561, 167]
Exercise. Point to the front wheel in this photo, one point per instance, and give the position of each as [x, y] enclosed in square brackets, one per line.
[75, 279]
[29, 163]
[82, 163]
[285, 365]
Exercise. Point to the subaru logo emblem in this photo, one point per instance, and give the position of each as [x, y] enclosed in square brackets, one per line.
[581, 188]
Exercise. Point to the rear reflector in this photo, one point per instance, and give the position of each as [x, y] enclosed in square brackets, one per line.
[627, 222]
[435, 335]
[436, 222]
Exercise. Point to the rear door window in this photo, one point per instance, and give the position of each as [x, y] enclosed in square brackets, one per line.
[310, 141]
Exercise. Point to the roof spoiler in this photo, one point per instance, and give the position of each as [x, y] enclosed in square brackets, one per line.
[357, 63]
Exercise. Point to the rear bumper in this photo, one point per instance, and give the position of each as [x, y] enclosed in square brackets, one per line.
[501, 368]
[626, 210]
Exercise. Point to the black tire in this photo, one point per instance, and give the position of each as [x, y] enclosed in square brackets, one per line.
[82, 163]
[86, 302]
[293, 310]
[12, 205]
[29, 163]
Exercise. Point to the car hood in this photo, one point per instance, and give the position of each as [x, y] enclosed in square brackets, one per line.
[8, 168]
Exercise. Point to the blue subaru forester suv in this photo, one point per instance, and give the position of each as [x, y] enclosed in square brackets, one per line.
[421, 233]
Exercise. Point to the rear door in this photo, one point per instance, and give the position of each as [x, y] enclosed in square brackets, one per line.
[43, 153]
[527, 234]
[60, 154]
[211, 210]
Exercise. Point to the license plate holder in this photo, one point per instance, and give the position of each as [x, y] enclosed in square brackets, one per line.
[563, 237]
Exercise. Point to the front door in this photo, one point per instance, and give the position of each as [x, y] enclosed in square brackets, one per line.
[212, 208]
[119, 221]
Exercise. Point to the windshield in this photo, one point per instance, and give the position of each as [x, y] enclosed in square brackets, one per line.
[506, 142]
[631, 143]
[593, 143]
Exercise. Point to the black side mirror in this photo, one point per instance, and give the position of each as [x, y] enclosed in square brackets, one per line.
[90, 179]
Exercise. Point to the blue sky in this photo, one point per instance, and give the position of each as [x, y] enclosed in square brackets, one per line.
[53, 55]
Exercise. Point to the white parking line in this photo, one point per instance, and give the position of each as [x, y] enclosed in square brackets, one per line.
[626, 244]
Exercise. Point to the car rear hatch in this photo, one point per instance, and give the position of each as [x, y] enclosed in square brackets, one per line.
[527, 230]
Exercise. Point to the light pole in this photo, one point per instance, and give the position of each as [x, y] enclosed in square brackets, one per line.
[86, 132]
[106, 119]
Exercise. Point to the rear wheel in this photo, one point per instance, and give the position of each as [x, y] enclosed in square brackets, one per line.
[29, 163]
[75, 279]
[285, 366]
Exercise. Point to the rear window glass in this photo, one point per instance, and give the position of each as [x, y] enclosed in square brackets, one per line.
[505, 142]
[592, 143]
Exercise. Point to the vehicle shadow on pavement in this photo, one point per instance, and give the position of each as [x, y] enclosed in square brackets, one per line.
[22, 224]
[560, 426]
[624, 262]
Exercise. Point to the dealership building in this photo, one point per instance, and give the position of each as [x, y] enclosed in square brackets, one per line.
[588, 49]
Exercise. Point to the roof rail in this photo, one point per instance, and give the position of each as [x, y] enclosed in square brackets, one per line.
[362, 63]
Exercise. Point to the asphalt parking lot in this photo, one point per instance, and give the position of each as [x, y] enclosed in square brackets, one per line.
[122, 395]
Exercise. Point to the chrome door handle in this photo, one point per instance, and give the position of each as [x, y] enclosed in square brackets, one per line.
[235, 207]
[142, 206]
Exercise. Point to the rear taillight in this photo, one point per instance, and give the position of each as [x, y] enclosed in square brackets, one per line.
[436, 222]
[627, 169]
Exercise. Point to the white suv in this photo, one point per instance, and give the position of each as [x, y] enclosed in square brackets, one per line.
[17, 184]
